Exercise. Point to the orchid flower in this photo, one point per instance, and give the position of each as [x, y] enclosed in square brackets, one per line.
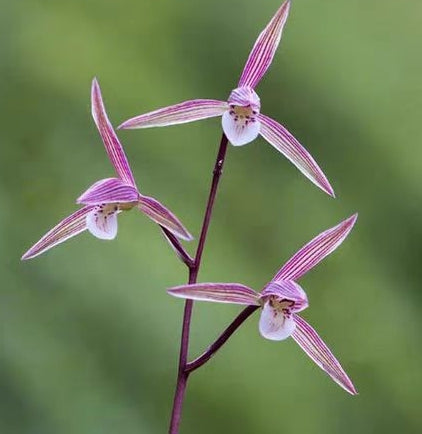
[282, 299]
[105, 199]
[241, 117]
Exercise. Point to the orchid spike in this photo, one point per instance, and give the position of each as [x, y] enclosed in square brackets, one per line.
[105, 199]
[241, 118]
[282, 299]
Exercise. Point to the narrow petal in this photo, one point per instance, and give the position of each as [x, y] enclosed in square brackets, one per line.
[187, 111]
[287, 290]
[67, 228]
[102, 222]
[315, 251]
[277, 136]
[274, 324]
[110, 190]
[263, 51]
[111, 142]
[240, 131]
[163, 216]
[218, 292]
[307, 338]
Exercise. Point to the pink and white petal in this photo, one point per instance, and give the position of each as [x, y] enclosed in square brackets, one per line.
[245, 97]
[274, 324]
[315, 251]
[263, 51]
[310, 342]
[235, 293]
[277, 136]
[287, 290]
[110, 190]
[67, 228]
[163, 216]
[187, 111]
[239, 132]
[102, 223]
[112, 145]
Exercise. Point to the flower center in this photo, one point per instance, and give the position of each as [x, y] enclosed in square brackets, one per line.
[283, 306]
[107, 209]
[243, 111]
[126, 206]
[243, 115]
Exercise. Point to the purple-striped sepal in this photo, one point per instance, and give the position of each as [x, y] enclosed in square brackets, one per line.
[315, 251]
[111, 142]
[217, 292]
[65, 229]
[158, 213]
[282, 140]
[310, 342]
[262, 53]
[187, 111]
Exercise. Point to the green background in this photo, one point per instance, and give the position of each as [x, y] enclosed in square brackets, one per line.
[88, 337]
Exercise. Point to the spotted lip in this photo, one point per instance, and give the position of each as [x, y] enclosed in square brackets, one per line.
[243, 115]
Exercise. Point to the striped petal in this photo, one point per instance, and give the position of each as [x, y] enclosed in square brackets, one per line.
[110, 190]
[287, 290]
[67, 228]
[218, 292]
[111, 142]
[310, 342]
[315, 251]
[263, 51]
[275, 324]
[181, 113]
[277, 136]
[245, 97]
[164, 217]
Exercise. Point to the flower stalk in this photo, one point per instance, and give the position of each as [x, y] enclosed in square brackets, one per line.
[183, 372]
[222, 339]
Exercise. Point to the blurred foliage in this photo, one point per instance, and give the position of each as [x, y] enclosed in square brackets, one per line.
[89, 338]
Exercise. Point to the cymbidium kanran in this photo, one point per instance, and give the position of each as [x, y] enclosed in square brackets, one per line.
[105, 199]
[242, 121]
[282, 298]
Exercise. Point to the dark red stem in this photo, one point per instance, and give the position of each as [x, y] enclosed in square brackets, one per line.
[183, 373]
[221, 340]
[178, 247]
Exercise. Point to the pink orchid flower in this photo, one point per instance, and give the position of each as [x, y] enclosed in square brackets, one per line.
[282, 299]
[105, 199]
[242, 121]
